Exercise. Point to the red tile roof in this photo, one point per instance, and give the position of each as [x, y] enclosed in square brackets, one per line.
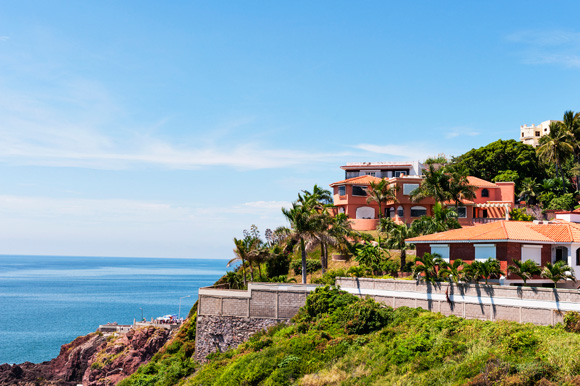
[360, 180]
[481, 183]
[554, 232]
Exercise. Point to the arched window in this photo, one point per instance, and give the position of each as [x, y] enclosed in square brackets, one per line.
[365, 212]
[400, 212]
[418, 211]
[484, 193]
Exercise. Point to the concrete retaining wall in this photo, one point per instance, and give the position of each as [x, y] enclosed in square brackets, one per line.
[226, 318]
[542, 306]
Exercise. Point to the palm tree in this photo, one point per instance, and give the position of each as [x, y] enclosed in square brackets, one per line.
[396, 240]
[341, 231]
[303, 227]
[381, 192]
[442, 219]
[427, 269]
[556, 147]
[319, 195]
[241, 251]
[524, 270]
[485, 270]
[459, 186]
[529, 191]
[571, 123]
[435, 184]
[558, 271]
[453, 270]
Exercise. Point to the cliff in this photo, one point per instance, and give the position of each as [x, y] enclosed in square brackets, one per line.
[91, 359]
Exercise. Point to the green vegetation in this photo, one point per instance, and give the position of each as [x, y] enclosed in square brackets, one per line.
[173, 362]
[339, 339]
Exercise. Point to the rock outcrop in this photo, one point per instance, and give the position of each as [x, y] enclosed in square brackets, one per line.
[121, 358]
[92, 360]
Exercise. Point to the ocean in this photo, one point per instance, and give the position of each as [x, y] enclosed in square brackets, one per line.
[47, 301]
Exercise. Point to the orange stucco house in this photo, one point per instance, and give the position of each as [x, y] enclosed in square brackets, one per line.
[493, 200]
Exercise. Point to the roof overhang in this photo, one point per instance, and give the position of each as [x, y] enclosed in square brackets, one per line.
[487, 241]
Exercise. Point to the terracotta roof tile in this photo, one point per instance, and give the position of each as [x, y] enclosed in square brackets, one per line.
[480, 183]
[360, 180]
[509, 230]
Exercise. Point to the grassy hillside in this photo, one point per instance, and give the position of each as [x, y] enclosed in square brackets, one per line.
[338, 339]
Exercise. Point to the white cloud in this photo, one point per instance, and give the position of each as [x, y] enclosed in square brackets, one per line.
[548, 47]
[119, 227]
[459, 131]
[407, 152]
[4, 38]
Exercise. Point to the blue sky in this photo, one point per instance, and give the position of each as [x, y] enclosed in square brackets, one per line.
[140, 128]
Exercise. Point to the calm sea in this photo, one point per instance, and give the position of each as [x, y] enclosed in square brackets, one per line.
[46, 301]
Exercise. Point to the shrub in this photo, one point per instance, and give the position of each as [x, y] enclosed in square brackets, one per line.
[365, 316]
[520, 215]
[358, 271]
[312, 266]
[329, 278]
[572, 321]
[563, 202]
[324, 300]
[279, 265]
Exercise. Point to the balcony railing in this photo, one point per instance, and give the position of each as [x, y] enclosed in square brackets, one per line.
[487, 220]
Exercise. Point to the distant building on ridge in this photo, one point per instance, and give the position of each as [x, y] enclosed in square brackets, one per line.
[530, 135]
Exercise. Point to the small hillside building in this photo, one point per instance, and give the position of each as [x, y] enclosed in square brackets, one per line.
[540, 241]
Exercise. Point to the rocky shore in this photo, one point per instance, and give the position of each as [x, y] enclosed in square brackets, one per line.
[92, 360]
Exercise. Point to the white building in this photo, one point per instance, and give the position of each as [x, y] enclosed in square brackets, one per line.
[530, 135]
[382, 169]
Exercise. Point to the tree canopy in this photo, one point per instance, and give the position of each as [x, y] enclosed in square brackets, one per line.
[500, 157]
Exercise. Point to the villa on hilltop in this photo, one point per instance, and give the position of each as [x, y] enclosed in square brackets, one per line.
[492, 203]
[530, 135]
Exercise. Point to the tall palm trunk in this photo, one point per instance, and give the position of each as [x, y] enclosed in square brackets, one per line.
[303, 251]
[322, 257]
[561, 176]
[403, 258]
[244, 271]
[251, 270]
[325, 257]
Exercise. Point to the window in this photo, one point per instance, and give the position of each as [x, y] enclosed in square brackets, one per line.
[351, 175]
[418, 211]
[484, 251]
[358, 191]
[399, 173]
[374, 173]
[532, 252]
[578, 256]
[400, 212]
[441, 249]
[408, 188]
[537, 133]
[561, 253]
[342, 190]
[365, 212]
[522, 134]
[484, 193]
[461, 211]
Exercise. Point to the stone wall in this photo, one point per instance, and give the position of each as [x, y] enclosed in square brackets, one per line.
[542, 306]
[220, 333]
[226, 318]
